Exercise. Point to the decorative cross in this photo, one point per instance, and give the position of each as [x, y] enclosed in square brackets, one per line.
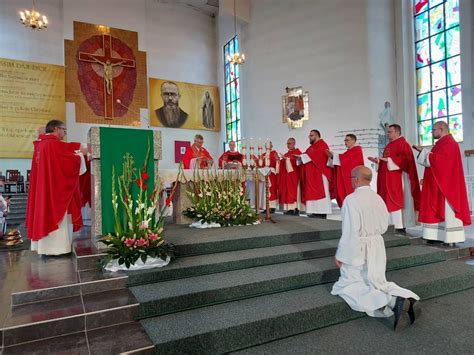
[108, 61]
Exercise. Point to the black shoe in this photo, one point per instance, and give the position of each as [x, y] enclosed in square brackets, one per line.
[297, 212]
[272, 210]
[398, 310]
[290, 212]
[411, 310]
[401, 230]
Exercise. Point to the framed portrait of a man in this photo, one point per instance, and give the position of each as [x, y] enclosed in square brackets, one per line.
[176, 104]
[295, 107]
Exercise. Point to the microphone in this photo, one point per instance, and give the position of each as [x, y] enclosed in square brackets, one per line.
[133, 111]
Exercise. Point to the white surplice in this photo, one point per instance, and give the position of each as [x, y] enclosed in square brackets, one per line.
[59, 241]
[323, 205]
[452, 229]
[407, 216]
[362, 283]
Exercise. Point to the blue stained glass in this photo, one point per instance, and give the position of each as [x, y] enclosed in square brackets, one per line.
[424, 132]
[237, 71]
[439, 104]
[436, 20]
[453, 41]
[424, 107]
[438, 75]
[227, 74]
[237, 89]
[227, 93]
[422, 53]
[236, 44]
[423, 80]
[234, 110]
[227, 113]
[231, 48]
[232, 92]
[421, 26]
[438, 48]
[452, 13]
[454, 70]
[435, 2]
[455, 102]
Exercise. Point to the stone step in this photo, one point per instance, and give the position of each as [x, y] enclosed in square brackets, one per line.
[52, 318]
[236, 325]
[190, 241]
[240, 259]
[423, 337]
[177, 295]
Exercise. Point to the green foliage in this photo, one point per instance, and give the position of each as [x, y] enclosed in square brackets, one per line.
[219, 198]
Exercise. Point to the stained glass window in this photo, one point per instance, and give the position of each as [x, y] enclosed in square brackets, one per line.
[438, 67]
[232, 93]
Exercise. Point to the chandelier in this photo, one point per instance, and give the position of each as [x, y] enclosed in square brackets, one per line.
[236, 58]
[33, 19]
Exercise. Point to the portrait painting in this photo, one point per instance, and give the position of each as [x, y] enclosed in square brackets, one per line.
[176, 104]
[295, 107]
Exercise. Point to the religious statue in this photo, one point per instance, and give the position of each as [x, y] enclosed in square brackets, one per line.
[208, 111]
[108, 73]
[385, 120]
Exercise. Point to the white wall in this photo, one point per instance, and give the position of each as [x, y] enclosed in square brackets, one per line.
[180, 43]
[341, 52]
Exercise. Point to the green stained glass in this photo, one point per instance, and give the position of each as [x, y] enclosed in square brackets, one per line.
[453, 41]
[237, 71]
[438, 48]
[231, 48]
[452, 13]
[227, 74]
[234, 130]
[421, 26]
[424, 107]
[454, 71]
[456, 128]
[227, 114]
[232, 91]
[422, 53]
[438, 75]
[420, 6]
[435, 2]
[227, 93]
[226, 52]
[229, 132]
[236, 45]
[439, 104]
[234, 110]
[436, 19]
[424, 132]
[455, 102]
[237, 89]
[423, 80]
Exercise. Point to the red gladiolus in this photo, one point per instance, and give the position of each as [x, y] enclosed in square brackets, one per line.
[168, 201]
[141, 184]
[144, 175]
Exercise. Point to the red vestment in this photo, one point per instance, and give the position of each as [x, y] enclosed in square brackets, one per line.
[342, 182]
[54, 186]
[288, 181]
[194, 152]
[313, 186]
[228, 157]
[444, 179]
[85, 185]
[389, 182]
[272, 176]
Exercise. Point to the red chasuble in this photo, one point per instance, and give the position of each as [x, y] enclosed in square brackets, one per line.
[194, 152]
[444, 179]
[288, 181]
[272, 177]
[228, 157]
[313, 187]
[85, 185]
[343, 183]
[389, 183]
[54, 186]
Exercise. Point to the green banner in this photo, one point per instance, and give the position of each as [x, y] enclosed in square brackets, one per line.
[114, 144]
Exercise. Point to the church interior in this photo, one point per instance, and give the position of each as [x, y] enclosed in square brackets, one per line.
[180, 176]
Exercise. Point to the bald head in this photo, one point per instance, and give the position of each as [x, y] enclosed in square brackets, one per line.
[361, 176]
[440, 129]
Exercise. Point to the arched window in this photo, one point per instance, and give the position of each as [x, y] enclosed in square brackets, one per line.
[232, 93]
[438, 67]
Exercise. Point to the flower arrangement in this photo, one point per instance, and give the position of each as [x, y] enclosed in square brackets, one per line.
[219, 198]
[138, 217]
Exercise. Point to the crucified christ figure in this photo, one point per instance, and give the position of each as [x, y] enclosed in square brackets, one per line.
[108, 73]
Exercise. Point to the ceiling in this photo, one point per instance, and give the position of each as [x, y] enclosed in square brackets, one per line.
[208, 7]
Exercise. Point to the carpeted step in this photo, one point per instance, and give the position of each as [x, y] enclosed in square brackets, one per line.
[240, 324]
[189, 241]
[429, 334]
[176, 295]
[240, 259]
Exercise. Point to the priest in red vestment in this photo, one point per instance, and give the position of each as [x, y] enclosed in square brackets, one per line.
[54, 199]
[317, 177]
[232, 155]
[444, 209]
[197, 156]
[343, 164]
[273, 162]
[397, 180]
[289, 179]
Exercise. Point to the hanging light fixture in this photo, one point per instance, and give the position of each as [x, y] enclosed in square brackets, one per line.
[33, 19]
[236, 58]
